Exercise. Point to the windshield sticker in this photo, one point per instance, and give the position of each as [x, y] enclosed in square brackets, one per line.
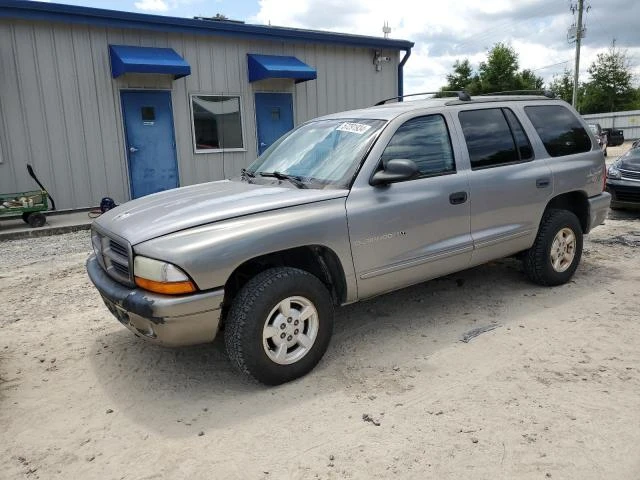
[358, 128]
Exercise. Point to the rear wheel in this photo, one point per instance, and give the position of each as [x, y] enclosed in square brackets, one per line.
[555, 255]
[36, 219]
[279, 325]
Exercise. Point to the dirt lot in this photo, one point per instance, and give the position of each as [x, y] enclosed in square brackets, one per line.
[552, 392]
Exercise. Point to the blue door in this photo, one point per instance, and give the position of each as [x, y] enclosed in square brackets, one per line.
[150, 141]
[274, 117]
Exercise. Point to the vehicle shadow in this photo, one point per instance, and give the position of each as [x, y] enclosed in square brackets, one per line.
[182, 391]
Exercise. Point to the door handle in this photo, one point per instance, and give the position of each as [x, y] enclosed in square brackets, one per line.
[457, 198]
[543, 182]
[262, 144]
[133, 149]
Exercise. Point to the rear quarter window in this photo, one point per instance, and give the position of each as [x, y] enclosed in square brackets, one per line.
[559, 129]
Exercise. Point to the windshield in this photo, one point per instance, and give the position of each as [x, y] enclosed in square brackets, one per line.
[322, 154]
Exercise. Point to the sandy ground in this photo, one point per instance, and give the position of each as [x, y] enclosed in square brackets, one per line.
[552, 392]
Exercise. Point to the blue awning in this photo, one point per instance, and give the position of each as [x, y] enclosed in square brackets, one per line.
[129, 59]
[276, 66]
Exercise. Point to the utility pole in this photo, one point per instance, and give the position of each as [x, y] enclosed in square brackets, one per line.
[577, 31]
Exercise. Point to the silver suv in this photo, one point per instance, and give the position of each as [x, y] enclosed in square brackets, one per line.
[347, 207]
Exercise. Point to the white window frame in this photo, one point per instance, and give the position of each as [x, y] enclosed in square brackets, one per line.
[193, 125]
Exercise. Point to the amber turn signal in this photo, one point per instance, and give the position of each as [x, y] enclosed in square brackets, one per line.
[166, 288]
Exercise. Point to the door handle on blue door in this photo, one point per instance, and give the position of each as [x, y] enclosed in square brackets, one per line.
[133, 149]
[457, 198]
[543, 182]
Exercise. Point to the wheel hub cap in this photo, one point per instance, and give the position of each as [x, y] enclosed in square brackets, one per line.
[290, 330]
[563, 250]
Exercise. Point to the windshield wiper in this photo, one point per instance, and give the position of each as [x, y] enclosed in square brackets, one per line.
[297, 181]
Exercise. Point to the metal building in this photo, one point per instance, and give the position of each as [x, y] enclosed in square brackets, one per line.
[107, 103]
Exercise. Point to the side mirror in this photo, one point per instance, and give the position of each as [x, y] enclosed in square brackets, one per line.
[396, 170]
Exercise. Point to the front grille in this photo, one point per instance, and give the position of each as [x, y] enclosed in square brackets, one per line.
[116, 247]
[629, 175]
[625, 194]
[114, 257]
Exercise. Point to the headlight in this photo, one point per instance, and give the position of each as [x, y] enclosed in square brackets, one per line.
[614, 173]
[161, 277]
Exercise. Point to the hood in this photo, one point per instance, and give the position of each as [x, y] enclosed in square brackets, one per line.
[173, 210]
[630, 161]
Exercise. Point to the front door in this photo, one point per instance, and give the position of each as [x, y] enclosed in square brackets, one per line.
[150, 141]
[411, 231]
[274, 117]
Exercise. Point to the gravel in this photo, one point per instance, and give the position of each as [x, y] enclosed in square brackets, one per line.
[27, 251]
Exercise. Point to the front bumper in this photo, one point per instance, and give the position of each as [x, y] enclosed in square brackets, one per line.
[598, 208]
[624, 193]
[162, 319]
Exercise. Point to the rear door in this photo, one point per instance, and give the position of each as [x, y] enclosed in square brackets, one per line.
[509, 187]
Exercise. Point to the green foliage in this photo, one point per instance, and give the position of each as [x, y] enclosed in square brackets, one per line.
[609, 88]
[499, 73]
[562, 86]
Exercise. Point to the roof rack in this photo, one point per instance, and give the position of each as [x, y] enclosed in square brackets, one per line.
[546, 93]
[462, 95]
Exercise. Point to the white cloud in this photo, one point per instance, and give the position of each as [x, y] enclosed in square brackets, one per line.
[152, 5]
[445, 32]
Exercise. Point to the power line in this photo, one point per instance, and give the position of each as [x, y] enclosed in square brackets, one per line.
[549, 66]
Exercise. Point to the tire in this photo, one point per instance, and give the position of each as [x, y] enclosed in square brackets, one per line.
[605, 152]
[36, 220]
[539, 259]
[255, 325]
[25, 217]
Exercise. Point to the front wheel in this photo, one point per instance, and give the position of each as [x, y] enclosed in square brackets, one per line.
[555, 255]
[279, 325]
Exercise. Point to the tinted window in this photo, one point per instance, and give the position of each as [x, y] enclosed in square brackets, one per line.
[488, 138]
[559, 129]
[216, 122]
[521, 139]
[425, 140]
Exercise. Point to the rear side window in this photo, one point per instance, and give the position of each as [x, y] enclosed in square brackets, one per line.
[560, 131]
[494, 137]
[425, 140]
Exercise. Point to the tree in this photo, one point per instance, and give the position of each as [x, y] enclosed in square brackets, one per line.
[529, 80]
[498, 73]
[461, 76]
[562, 86]
[609, 88]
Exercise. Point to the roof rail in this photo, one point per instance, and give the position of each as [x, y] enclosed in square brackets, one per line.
[546, 93]
[462, 95]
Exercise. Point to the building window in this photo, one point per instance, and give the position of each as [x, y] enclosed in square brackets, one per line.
[217, 123]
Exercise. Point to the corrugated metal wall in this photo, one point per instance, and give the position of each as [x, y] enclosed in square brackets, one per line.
[628, 122]
[60, 108]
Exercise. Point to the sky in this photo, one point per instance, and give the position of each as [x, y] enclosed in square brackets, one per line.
[443, 31]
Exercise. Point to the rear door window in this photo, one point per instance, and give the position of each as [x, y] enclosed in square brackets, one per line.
[559, 129]
[494, 137]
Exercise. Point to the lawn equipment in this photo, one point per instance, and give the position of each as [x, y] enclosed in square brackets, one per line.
[29, 205]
